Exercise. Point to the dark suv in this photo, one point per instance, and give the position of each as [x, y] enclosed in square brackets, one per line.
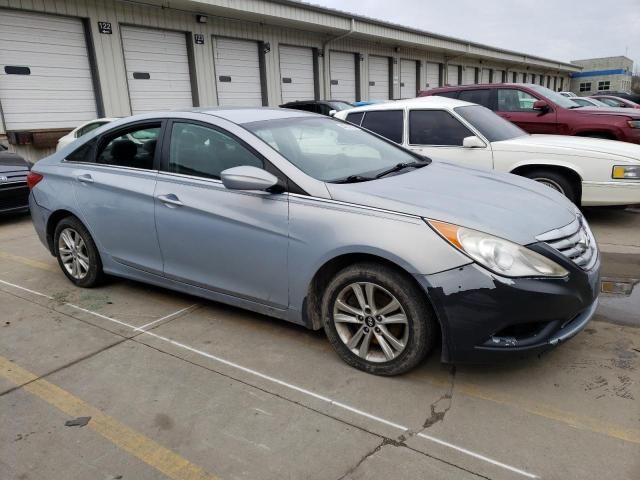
[537, 109]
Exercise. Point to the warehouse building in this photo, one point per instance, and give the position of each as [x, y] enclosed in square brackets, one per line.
[601, 75]
[66, 62]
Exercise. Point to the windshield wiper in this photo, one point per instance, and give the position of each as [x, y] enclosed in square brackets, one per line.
[401, 166]
[353, 179]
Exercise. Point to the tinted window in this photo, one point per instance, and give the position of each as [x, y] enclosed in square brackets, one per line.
[435, 127]
[513, 100]
[481, 97]
[388, 123]
[205, 152]
[329, 150]
[355, 118]
[448, 94]
[83, 153]
[492, 126]
[134, 148]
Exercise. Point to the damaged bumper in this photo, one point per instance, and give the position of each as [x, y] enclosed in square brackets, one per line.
[486, 317]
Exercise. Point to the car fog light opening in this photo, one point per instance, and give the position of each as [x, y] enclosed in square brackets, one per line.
[497, 254]
[626, 172]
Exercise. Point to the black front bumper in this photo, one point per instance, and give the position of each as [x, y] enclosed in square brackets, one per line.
[14, 197]
[486, 317]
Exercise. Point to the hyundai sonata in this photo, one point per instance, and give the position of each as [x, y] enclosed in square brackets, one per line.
[318, 222]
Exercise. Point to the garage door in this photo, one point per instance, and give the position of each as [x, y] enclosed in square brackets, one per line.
[237, 67]
[342, 68]
[296, 73]
[485, 76]
[469, 75]
[157, 69]
[408, 84]
[452, 75]
[433, 75]
[497, 76]
[45, 79]
[378, 78]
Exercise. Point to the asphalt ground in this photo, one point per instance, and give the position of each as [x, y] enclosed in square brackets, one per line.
[181, 388]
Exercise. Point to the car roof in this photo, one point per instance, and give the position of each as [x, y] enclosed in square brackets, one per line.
[242, 115]
[419, 102]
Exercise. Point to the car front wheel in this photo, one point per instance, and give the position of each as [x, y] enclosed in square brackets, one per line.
[377, 319]
[556, 181]
[77, 254]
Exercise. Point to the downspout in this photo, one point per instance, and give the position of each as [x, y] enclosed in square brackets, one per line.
[325, 55]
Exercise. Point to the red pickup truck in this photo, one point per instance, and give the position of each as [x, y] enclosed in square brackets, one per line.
[537, 109]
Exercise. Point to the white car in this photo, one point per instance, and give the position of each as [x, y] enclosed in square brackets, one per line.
[82, 130]
[589, 102]
[589, 171]
[568, 94]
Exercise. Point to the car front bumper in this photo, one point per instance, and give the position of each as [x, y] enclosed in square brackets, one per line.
[615, 192]
[486, 317]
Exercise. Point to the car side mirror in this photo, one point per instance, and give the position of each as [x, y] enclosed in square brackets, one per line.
[541, 105]
[248, 178]
[473, 142]
[332, 112]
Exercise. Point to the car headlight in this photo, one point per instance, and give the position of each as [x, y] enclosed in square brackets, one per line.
[631, 172]
[497, 254]
[634, 123]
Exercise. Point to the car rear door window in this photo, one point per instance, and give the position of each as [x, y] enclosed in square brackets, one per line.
[436, 127]
[513, 100]
[388, 123]
[355, 118]
[206, 152]
[479, 96]
[133, 148]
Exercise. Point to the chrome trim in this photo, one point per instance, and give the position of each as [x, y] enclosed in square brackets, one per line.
[575, 242]
[365, 207]
[561, 232]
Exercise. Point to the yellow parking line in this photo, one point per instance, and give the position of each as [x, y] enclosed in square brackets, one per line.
[152, 453]
[30, 262]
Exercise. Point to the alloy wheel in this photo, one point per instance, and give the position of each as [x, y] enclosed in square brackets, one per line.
[547, 182]
[371, 322]
[73, 253]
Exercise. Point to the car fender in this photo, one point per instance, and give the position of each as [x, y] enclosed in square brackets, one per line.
[549, 162]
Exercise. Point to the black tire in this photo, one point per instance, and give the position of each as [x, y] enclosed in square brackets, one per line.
[94, 274]
[559, 181]
[421, 323]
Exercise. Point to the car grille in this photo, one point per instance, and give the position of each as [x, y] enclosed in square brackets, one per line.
[575, 241]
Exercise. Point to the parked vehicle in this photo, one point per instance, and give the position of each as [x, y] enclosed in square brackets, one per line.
[589, 102]
[82, 130]
[537, 109]
[568, 94]
[315, 221]
[323, 107]
[619, 102]
[588, 171]
[14, 193]
[634, 97]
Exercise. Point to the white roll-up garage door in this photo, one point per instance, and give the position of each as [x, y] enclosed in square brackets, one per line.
[433, 75]
[237, 67]
[408, 85]
[484, 75]
[342, 70]
[157, 69]
[469, 75]
[296, 73]
[45, 79]
[497, 76]
[378, 78]
[452, 74]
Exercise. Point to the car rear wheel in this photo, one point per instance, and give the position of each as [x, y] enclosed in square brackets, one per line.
[77, 254]
[556, 181]
[377, 320]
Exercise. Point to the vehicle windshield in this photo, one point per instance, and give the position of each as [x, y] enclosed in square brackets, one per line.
[339, 106]
[330, 150]
[492, 126]
[555, 97]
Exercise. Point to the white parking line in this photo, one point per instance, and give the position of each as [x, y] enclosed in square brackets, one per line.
[182, 310]
[290, 386]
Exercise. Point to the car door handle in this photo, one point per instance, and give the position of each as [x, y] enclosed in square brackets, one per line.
[85, 178]
[170, 200]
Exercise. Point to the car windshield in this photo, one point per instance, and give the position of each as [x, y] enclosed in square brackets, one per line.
[492, 126]
[339, 106]
[331, 150]
[555, 97]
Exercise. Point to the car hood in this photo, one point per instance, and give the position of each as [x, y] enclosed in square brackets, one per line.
[11, 162]
[504, 205]
[582, 146]
[627, 112]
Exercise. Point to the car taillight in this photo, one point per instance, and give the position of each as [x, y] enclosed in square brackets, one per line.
[33, 179]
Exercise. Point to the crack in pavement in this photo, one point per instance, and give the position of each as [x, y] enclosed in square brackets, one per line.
[447, 398]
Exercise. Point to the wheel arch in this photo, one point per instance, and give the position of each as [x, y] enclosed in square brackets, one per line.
[567, 170]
